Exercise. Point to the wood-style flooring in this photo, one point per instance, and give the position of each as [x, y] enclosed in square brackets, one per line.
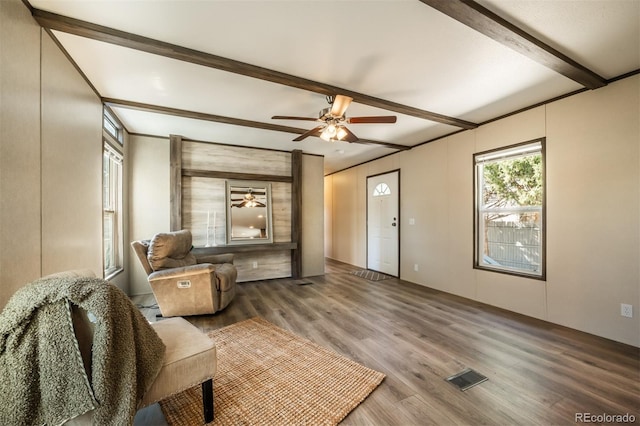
[539, 373]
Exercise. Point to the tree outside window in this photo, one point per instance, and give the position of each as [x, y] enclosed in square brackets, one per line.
[509, 223]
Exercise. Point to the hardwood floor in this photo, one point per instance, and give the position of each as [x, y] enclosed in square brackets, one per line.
[539, 373]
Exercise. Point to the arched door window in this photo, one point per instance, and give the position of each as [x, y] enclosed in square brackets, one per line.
[381, 189]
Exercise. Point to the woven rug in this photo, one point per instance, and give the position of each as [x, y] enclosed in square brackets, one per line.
[270, 376]
[371, 275]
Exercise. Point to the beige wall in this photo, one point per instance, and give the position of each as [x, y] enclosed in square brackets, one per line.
[328, 215]
[594, 216]
[71, 167]
[50, 158]
[593, 213]
[149, 189]
[20, 210]
[312, 216]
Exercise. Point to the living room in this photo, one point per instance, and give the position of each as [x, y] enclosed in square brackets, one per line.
[52, 203]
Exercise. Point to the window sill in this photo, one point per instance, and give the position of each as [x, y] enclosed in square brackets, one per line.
[514, 273]
[111, 275]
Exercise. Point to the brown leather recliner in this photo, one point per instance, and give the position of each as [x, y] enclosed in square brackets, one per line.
[183, 284]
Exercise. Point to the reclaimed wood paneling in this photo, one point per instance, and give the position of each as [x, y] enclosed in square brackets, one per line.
[221, 158]
[273, 264]
[281, 210]
[203, 200]
[202, 197]
[207, 168]
[236, 176]
[243, 248]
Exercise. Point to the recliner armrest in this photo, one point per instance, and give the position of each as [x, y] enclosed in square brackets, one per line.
[182, 272]
[215, 258]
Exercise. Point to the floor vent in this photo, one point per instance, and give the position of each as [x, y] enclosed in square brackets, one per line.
[466, 379]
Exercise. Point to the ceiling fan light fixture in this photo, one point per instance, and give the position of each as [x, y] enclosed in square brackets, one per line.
[329, 132]
[332, 120]
[341, 133]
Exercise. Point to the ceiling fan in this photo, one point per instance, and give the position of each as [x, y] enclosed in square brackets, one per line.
[248, 199]
[333, 121]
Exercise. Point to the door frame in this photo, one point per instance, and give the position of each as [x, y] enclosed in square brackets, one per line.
[399, 222]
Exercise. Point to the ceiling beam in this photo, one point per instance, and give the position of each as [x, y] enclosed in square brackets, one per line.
[111, 102]
[199, 115]
[488, 23]
[85, 29]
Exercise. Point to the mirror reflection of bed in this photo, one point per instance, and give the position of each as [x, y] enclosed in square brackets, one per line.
[249, 212]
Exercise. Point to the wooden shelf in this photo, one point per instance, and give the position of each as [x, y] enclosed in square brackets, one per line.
[243, 248]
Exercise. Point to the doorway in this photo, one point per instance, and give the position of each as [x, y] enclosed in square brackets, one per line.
[383, 223]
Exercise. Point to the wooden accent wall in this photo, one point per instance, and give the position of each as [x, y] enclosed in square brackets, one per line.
[225, 158]
[204, 168]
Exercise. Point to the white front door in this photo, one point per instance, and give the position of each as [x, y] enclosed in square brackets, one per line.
[383, 203]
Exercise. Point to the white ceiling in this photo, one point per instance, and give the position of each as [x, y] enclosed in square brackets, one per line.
[397, 50]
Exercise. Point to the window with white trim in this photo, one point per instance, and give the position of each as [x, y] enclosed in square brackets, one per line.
[509, 226]
[112, 230]
[111, 127]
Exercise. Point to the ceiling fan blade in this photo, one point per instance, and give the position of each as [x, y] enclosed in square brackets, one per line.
[288, 117]
[313, 132]
[350, 137]
[340, 105]
[372, 120]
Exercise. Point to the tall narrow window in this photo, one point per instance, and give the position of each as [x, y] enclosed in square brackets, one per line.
[112, 230]
[510, 210]
[112, 202]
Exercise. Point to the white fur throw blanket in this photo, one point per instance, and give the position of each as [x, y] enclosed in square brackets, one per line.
[42, 375]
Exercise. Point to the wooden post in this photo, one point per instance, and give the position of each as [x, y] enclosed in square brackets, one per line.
[296, 213]
[175, 182]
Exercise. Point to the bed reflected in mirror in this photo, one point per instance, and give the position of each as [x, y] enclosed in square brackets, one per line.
[248, 212]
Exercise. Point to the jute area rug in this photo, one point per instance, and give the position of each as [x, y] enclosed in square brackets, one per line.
[270, 376]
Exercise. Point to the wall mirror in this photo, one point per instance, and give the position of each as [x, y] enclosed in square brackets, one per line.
[249, 219]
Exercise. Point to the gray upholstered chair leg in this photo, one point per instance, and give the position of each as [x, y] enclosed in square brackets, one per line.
[207, 400]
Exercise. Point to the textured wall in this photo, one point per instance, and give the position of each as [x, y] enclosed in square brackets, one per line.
[20, 211]
[148, 199]
[50, 158]
[71, 167]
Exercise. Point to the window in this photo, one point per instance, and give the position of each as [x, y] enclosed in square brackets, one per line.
[381, 189]
[509, 210]
[111, 127]
[112, 201]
